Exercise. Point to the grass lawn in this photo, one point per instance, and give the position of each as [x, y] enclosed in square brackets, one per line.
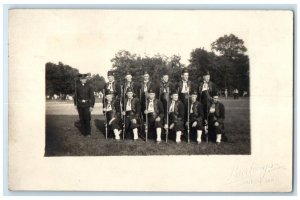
[64, 139]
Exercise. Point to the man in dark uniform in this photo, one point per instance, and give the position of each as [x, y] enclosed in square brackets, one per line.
[195, 112]
[155, 113]
[112, 112]
[205, 90]
[164, 89]
[176, 115]
[112, 85]
[184, 86]
[130, 84]
[144, 87]
[84, 101]
[147, 83]
[216, 117]
[131, 110]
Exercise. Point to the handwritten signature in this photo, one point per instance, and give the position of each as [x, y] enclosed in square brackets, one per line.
[254, 174]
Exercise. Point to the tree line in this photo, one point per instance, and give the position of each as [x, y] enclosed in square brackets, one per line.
[226, 61]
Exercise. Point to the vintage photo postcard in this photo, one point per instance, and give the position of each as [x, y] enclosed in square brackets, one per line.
[150, 100]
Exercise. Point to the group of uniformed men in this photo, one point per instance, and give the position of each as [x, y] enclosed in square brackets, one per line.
[152, 111]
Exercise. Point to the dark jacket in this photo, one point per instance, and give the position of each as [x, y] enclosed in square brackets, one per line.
[133, 85]
[158, 108]
[115, 87]
[180, 85]
[219, 114]
[84, 95]
[115, 106]
[179, 112]
[206, 96]
[164, 87]
[149, 84]
[197, 112]
[135, 106]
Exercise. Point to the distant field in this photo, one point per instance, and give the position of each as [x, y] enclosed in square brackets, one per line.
[64, 139]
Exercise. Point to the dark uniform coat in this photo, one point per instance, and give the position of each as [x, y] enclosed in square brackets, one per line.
[164, 93]
[115, 88]
[183, 96]
[151, 117]
[133, 114]
[84, 99]
[141, 94]
[177, 117]
[205, 97]
[133, 85]
[115, 112]
[217, 116]
[196, 116]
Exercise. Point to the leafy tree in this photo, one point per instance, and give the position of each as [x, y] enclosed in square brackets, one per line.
[98, 82]
[227, 63]
[232, 63]
[200, 61]
[125, 61]
[175, 67]
[60, 78]
[229, 46]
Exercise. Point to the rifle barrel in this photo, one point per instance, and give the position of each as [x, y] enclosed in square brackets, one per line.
[167, 131]
[188, 126]
[124, 117]
[105, 106]
[146, 127]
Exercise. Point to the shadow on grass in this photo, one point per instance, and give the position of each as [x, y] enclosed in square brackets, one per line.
[100, 127]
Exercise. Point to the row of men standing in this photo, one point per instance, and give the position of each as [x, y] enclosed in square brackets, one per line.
[163, 108]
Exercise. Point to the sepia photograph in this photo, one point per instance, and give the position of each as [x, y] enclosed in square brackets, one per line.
[141, 88]
[150, 100]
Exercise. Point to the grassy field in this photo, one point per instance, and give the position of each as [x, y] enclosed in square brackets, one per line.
[64, 139]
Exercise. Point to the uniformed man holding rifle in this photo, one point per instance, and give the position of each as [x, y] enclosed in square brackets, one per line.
[195, 116]
[176, 115]
[112, 112]
[131, 111]
[154, 112]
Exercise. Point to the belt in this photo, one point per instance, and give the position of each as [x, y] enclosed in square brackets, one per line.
[83, 100]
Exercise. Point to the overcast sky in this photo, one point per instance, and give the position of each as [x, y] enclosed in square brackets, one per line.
[89, 39]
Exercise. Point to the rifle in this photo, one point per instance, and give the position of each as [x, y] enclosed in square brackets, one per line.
[141, 114]
[188, 126]
[124, 117]
[105, 106]
[167, 130]
[146, 126]
[76, 92]
[121, 109]
[207, 110]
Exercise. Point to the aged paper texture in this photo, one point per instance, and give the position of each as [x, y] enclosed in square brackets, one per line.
[34, 38]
